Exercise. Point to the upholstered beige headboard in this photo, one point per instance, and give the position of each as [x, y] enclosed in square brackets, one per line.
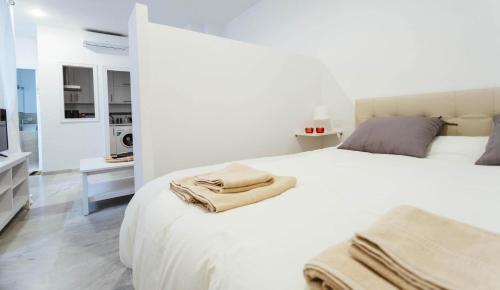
[472, 110]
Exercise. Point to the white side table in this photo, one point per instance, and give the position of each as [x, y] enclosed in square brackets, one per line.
[106, 188]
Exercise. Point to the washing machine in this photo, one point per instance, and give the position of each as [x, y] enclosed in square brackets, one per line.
[121, 139]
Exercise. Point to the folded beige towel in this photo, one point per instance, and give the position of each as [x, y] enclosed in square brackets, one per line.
[234, 178]
[110, 159]
[186, 189]
[335, 269]
[415, 249]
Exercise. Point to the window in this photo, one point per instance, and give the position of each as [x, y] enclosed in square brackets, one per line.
[79, 92]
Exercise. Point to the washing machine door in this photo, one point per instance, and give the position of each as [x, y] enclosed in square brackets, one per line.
[127, 139]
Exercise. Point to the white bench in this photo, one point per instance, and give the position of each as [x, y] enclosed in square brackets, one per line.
[106, 188]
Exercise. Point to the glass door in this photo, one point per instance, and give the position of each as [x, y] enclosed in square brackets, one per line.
[28, 121]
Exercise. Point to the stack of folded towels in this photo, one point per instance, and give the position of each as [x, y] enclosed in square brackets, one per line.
[410, 249]
[234, 186]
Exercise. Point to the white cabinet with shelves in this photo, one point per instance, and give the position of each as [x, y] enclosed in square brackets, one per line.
[19, 173]
[5, 206]
[20, 194]
[5, 178]
[14, 186]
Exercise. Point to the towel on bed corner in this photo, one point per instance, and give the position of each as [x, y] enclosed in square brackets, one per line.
[409, 248]
[414, 248]
[234, 178]
[186, 189]
[335, 269]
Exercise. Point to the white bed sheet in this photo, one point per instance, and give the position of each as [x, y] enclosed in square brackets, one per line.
[171, 245]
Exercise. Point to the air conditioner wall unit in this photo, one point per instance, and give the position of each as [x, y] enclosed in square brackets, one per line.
[88, 43]
[105, 43]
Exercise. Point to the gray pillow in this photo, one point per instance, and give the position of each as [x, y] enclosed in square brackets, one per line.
[492, 154]
[395, 135]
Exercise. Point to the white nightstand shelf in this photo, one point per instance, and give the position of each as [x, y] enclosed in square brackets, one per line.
[337, 132]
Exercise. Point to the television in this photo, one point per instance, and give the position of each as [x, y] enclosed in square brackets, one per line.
[4, 141]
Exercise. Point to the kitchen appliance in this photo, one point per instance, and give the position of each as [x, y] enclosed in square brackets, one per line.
[121, 139]
[120, 118]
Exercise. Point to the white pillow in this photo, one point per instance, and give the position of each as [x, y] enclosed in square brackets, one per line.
[457, 148]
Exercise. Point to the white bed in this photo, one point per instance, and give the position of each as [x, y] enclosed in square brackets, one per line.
[171, 245]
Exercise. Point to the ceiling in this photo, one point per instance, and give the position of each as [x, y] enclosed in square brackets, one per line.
[112, 15]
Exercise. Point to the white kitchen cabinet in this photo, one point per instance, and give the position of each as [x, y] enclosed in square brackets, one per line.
[119, 87]
[79, 88]
[85, 79]
[79, 85]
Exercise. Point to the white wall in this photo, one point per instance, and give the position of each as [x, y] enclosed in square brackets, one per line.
[26, 52]
[64, 144]
[385, 47]
[213, 29]
[200, 99]
[8, 94]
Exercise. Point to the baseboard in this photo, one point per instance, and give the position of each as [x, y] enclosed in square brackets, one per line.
[53, 172]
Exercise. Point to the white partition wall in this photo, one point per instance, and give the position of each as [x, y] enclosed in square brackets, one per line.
[200, 99]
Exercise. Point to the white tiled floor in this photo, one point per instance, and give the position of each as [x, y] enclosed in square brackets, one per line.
[53, 246]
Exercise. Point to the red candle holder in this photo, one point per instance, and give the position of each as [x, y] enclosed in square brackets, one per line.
[309, 130]
[320, 130]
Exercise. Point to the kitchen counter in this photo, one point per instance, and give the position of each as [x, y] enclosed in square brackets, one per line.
[122, 124]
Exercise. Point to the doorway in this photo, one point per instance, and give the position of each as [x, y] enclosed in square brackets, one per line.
[28, 119]
[119, 110]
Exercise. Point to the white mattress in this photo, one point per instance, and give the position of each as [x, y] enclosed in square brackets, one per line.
[175, 246]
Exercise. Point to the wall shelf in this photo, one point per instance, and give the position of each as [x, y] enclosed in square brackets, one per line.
[337, 132]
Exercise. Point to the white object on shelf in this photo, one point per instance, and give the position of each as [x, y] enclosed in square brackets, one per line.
[107, 188]
[337, 132]
[14, 186]
[321, 113]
